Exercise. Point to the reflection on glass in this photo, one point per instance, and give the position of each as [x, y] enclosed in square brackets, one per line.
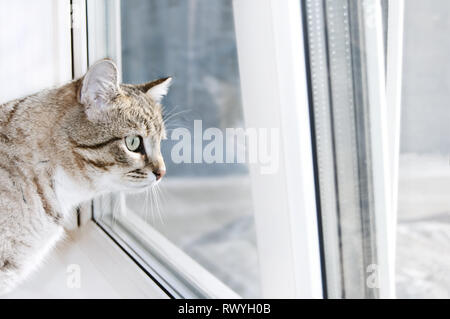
[423, 232]
[341, 109]
[205, 209]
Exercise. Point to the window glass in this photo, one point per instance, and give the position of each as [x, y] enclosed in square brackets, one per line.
[203, 208]
[423, 232]
[338, 33]
[340, 79]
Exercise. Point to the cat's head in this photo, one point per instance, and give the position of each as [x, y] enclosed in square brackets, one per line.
[120, 143]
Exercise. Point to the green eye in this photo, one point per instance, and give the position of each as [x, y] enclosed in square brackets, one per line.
[133, 142]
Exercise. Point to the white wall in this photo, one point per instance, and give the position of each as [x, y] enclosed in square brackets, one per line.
[35, 48]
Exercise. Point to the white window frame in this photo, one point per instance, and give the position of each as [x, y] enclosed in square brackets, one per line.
[385, 88]
[380, 147]
[286, 222]
[273, 76]
[197, 280]
[80, 64]
[162, 259]
[394, 73]
[46, 48]
[104, 42]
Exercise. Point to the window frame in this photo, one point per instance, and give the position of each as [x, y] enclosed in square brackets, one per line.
[286, 221]
[199, 283]
[54, 49]
[289, 276]
[381, 157]
[394, 73]
[368, 71]
[176, 273]
[288, 240]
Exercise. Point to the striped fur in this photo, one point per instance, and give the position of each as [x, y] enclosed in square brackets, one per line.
[56, 153]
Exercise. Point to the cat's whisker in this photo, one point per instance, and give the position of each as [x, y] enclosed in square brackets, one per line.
[176, 124]
[172, 112]
[152, 205]
[102, 200]
[158, 210]
[173, 126]
[149, 207]
[162, 194]
[146, 206]
[166, 120]
[169, 131]
[115, 210]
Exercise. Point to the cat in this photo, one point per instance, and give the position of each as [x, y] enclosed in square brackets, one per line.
[65, 146]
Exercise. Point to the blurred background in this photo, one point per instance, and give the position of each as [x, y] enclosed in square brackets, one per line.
[423, 258]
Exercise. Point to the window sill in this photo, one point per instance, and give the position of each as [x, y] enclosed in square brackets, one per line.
[105, 271]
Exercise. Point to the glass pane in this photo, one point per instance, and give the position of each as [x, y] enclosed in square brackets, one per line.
[423, 232]
[342, 117]
[203, 208]
[341, 109]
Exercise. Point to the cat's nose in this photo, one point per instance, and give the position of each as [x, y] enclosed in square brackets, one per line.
[159, 173]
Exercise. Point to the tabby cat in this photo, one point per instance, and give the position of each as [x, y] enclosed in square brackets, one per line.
[64, 146]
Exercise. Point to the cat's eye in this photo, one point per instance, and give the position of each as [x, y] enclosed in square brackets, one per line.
[133, 143]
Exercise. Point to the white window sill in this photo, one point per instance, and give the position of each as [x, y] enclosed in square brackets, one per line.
[105, 271]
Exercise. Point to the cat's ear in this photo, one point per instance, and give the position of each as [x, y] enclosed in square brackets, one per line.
[100, 85]
[156, 89]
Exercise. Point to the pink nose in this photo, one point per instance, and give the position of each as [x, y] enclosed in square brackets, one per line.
[159, 173]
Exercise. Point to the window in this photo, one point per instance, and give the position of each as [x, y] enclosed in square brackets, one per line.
[346, 58]
[423, 229]
[35, 40]
[228, 230]
[380, 126]
[204, 209]
[358, 197]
